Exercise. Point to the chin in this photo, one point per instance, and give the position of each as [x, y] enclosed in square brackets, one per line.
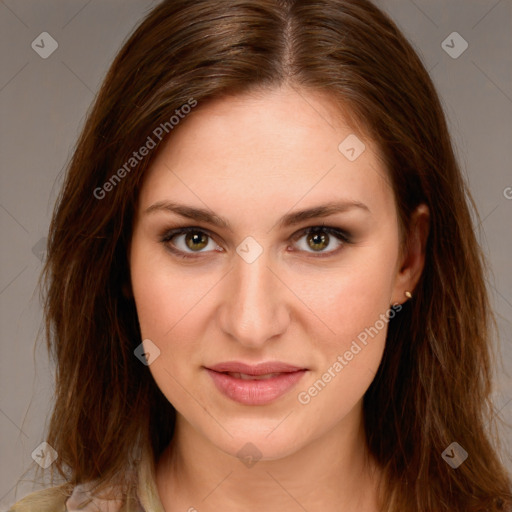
[259, 440]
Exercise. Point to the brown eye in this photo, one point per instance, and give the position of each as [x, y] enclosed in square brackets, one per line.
[318, 241]
[186, 241]
[322, 240]
[196, 240]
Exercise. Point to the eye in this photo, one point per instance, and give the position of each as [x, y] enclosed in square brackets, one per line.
[318, 238]
[186, 241]
[192, 240]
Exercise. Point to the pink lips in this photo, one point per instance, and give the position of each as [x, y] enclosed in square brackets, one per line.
[259, 384]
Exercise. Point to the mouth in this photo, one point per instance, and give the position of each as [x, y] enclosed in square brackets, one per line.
[245, 376]
[255, 385]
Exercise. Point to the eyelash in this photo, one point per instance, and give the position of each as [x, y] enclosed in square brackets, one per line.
[338, 233]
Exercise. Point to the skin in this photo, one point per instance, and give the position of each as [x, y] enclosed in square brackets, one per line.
[252, 159]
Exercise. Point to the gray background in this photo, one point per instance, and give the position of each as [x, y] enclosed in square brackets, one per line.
[42, 107]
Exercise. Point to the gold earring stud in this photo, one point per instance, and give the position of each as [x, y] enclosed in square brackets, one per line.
[408, 295]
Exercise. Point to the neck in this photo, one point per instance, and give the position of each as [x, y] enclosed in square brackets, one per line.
[331, 473]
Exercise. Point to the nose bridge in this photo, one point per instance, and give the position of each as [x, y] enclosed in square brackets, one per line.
[254, 308]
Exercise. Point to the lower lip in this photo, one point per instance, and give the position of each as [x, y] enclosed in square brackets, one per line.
[255, 392]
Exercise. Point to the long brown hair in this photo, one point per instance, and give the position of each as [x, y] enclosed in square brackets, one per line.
[433, 385]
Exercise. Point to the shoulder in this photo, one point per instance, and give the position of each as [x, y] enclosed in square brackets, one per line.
[79, 498]
[52, 499]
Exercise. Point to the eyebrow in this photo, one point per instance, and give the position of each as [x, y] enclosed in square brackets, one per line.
[290, 219]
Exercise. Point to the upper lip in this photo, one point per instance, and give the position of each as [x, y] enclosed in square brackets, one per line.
[257, 369]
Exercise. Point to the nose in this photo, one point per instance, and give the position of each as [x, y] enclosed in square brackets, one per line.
[254, 308]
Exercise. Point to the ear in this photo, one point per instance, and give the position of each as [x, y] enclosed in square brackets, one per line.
[412, 260]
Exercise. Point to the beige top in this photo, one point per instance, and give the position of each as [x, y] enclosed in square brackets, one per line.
[58, 499]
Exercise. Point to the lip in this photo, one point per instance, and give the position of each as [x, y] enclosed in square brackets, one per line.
[255, 392]
[255, 369]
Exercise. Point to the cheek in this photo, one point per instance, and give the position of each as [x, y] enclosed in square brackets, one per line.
[165, 298]
[167, 308]
[171, 306]
[354, 303]
[358, 312]
[353, 296]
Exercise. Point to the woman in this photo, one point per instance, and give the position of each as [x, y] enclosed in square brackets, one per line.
[264, 291]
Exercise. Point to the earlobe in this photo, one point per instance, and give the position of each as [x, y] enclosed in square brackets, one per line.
[413, 260]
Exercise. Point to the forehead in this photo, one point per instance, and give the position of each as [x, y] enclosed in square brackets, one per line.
[268, 148]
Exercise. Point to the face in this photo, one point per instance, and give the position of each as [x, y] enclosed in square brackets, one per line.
[254, 280]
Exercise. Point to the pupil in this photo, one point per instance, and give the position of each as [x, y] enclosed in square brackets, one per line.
[195, 239]
[318, 239]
